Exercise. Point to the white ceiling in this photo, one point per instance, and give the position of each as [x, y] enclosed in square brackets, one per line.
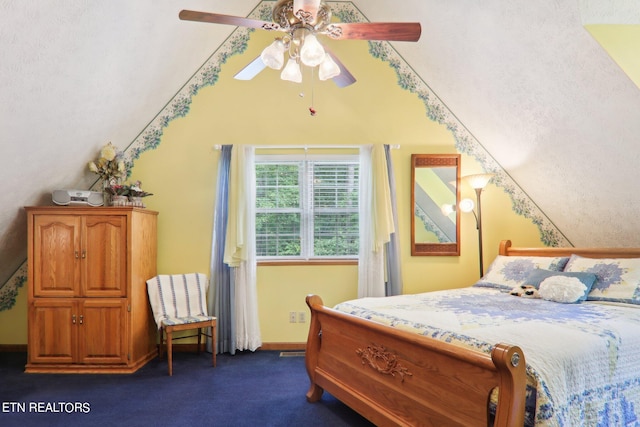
[525, 77]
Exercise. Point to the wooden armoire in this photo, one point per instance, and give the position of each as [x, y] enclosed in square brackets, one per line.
[88, 305]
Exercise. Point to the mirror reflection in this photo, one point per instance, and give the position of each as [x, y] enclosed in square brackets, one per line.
[435, 222]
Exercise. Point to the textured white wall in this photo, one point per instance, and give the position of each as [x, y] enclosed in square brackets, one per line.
[610, 12]
[75, 75]
[546, 101]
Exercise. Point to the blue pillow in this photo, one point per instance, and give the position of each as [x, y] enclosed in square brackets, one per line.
[538, 275]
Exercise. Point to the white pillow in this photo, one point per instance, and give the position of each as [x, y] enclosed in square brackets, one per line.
[562, 289]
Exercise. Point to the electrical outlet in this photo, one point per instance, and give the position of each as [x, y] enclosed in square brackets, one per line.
[292, 317]
[302, 318]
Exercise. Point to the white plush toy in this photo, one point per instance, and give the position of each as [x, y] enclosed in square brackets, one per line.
[562, 289]
[525, 291]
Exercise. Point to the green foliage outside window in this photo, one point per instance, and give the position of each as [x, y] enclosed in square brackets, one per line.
[307, 209]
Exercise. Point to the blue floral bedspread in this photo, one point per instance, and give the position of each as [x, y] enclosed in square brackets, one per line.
[583, 359]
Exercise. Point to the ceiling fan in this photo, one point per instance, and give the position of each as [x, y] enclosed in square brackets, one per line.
[302, 21]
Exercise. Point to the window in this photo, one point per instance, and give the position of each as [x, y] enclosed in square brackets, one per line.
[307, 207]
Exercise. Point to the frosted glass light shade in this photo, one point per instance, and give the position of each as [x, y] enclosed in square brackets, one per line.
[328, 68]
[466, 205]
[479, 180]
[447, 209]
[292, 72]
[312, 52]
[273, 55]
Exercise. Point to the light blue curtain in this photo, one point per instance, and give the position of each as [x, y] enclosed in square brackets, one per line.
[222, 289]
[393, 286]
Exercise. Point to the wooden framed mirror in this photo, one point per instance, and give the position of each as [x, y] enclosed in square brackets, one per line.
[435, 219]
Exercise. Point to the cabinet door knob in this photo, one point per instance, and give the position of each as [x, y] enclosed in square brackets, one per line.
[84, 254]
[73, 319]
[76, 254]
[81, 319]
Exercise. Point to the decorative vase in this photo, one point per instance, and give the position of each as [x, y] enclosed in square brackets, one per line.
[106, 197]
[136, 201]
[119, 200]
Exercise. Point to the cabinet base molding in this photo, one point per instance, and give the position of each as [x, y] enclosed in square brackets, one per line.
[43, 368]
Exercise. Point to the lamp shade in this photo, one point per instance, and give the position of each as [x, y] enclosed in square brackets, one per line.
[292, 72]
[273, 55]
[479, 180]
[312, 53]
[447, 209]
[328, 68]
[466, 205]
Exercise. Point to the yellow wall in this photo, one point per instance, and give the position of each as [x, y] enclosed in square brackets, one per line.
[621, 43]
[13, 322]
[266, 111]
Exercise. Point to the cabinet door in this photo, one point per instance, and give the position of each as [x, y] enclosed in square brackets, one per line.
[57, 254]
[105, 267]
[53, 331]
[103, 331]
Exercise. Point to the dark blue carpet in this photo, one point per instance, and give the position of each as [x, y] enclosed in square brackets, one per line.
[248, 389]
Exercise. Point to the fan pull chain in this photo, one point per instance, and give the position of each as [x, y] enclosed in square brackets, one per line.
[312, 110]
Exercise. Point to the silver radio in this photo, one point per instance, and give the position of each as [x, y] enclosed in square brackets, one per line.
[77, 197]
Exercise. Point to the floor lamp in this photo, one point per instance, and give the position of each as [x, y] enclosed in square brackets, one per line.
[478, 182]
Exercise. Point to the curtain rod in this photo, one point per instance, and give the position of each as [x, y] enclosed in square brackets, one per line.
[218, 147]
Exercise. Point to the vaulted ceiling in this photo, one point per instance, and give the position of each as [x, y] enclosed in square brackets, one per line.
[547, 87]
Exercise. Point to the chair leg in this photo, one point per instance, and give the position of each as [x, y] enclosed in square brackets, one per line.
[214, 340]
[169, 331]
[199, 340]
[161, 346]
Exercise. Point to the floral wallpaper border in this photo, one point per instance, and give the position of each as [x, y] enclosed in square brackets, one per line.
[436, 110]
[9, 291]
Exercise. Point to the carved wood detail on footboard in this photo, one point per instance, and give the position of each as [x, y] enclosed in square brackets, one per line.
[383, 361]
[393, 377]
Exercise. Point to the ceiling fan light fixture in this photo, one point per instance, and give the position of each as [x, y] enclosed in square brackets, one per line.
[301, 21]
[312, 53]
[273, 55]
[328, 68]
[292, 71]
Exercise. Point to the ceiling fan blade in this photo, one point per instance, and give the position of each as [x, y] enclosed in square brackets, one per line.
[391, 31]
[309, 6]
[251, 70]
[216, 18]
[345, 78]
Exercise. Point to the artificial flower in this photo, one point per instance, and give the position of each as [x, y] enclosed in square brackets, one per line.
[109, 166]
[117, 190]
[135, 190]
[108, 152]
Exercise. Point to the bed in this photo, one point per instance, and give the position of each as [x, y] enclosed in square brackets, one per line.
[481, 356]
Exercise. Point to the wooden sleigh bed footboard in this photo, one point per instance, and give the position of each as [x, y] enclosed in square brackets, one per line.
[396, 378]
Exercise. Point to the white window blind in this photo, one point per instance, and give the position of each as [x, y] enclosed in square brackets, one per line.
[307, 207]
